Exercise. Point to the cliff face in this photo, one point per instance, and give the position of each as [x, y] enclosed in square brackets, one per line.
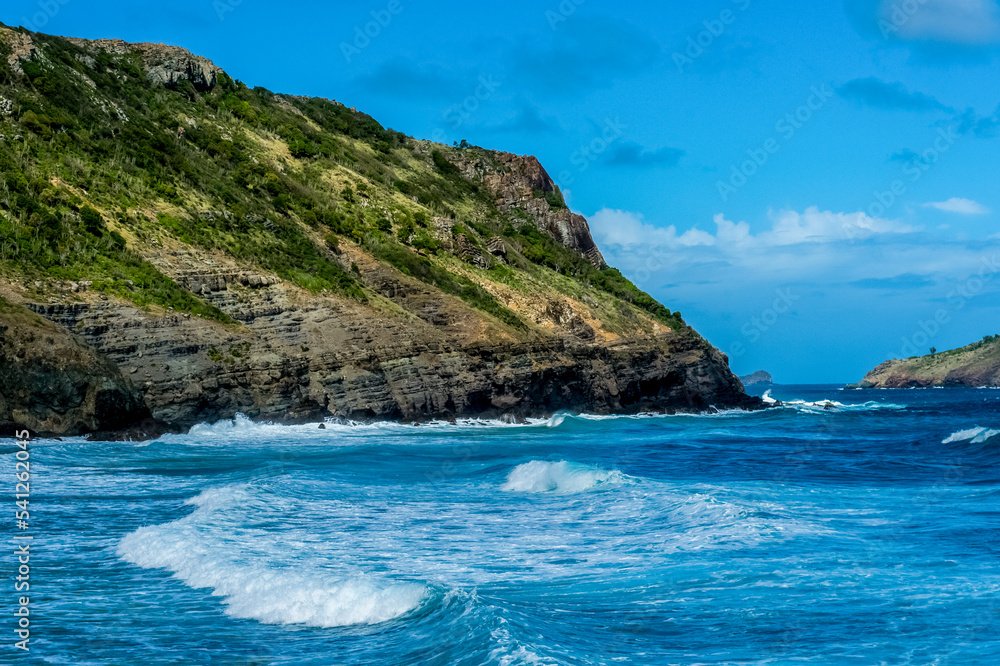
[362, 368]
[225, 250]
[295, 357]
[53, 382]
[516, 181]
[974, 366]
[164, 65]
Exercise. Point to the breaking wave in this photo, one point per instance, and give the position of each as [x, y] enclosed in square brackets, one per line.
[973, 436]
[559, 477]
[829, 405]
[201, 551]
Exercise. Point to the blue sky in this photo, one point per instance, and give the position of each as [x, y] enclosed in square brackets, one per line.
[813, 185]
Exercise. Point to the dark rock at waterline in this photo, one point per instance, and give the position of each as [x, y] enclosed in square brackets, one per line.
[53, 382]
[362, 368]
[149, 429]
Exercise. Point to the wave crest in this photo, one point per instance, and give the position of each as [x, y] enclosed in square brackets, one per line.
[200, 551]
[830, 405]
[973, 436]
[564, 478]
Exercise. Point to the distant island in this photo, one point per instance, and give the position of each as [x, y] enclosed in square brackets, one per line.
[977, 365]
[758, 378]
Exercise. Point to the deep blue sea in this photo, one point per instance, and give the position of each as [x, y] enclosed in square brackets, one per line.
[866, 531]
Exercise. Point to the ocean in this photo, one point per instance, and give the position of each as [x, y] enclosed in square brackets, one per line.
[842, 528]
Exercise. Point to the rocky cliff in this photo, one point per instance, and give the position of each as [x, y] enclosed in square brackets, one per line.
[517, 181]
[164, 65]
[211, 249]
[974, 366]
[51, 381]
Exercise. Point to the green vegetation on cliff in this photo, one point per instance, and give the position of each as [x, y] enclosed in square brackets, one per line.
[106, 172]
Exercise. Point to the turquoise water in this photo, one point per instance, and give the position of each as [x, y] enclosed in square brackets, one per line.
[862, 532]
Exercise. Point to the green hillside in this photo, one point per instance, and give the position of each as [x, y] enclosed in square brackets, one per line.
[974, 365]
[104, 168]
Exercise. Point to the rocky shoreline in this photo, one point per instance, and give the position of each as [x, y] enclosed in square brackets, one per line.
[293, 365]
[52, 382]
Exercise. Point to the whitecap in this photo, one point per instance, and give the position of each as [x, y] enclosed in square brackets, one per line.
[202, 551]
[973, 435]
[556, 421]
[244, 430]
[830, 405]
[561, 477]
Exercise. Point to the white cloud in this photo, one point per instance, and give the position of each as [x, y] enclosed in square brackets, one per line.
[630, 230]
[816, 226]
[624, 229]
[972, 22]
[960, 206]
[829, 264]
[811, 247]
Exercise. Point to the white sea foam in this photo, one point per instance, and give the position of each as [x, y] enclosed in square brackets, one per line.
[242, 426]
[203, 551]
[286, 553]
[830, 405]
[562, 477]
[716, 413]
[556, 421]
[509, 652]
[244, 429]
[973, 435]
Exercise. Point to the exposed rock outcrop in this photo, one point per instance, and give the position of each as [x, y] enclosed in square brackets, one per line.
[294, 360]
[165, 65]
[304, 287]
[516, 180]
[21, 45]
[51, 381]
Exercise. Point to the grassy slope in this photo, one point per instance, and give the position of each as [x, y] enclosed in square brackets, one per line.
[111, 169]
[980, 359]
